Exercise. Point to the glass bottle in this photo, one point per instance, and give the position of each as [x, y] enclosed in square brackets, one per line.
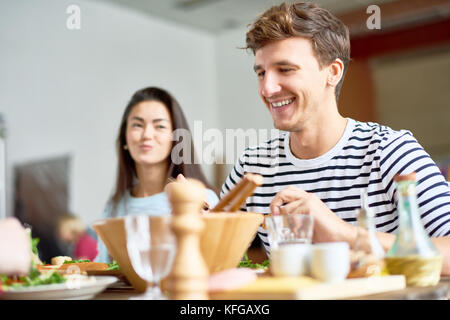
[412, 254]
[367, 253]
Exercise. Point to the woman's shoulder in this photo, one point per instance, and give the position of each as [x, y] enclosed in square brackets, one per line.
[118, 206]
[108, 208]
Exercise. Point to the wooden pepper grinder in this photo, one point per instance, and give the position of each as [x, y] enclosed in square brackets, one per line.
[188, 279]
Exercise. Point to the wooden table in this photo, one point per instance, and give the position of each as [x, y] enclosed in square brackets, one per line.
[439, 292]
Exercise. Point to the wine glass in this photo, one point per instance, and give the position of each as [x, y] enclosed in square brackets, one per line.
[151, 247]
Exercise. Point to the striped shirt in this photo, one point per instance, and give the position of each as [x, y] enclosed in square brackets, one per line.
[367, 157]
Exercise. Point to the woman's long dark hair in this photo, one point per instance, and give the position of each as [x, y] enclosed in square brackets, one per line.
[127, 168]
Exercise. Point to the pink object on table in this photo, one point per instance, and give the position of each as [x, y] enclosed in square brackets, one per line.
[231, 279]
[86, 248]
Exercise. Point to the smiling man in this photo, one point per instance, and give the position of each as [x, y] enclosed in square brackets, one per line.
[322, 161]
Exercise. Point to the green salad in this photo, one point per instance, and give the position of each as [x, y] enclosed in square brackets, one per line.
[34, 277]
[113, 266]
[76, 261]
[247, 263]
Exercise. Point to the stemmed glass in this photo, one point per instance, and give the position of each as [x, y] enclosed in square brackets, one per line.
[151, 247]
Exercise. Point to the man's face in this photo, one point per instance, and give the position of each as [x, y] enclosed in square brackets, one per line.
[290, 82]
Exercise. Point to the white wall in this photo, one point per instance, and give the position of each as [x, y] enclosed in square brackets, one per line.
[63, 91]
[239, 103]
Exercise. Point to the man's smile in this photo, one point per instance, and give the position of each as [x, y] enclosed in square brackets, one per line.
[281, 105]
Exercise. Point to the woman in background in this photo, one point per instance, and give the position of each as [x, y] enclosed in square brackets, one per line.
[146, 163]
[71, 230]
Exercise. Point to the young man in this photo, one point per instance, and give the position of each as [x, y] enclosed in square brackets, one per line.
[323, 161]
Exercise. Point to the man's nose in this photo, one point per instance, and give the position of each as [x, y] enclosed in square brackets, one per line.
[270, 85]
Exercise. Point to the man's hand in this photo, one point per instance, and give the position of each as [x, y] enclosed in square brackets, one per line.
[15, 248]
[181, 178]
[327, 226]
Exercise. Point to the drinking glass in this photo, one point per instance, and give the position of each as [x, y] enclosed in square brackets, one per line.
[290, 237]
[289, 229]
[151, 247]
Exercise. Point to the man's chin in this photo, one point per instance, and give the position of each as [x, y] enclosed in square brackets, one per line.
[283, 126]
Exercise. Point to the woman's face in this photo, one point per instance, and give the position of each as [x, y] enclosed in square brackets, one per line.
[149, 133]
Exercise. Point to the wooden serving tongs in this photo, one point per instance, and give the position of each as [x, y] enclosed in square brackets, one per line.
[236, 197]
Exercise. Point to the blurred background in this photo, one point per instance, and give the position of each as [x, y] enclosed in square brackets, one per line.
[63, 90]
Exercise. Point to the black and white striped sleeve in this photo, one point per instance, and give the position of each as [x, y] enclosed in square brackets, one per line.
[233, 178]
[401, 153]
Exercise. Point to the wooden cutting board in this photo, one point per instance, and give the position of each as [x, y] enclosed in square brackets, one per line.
[305, 288]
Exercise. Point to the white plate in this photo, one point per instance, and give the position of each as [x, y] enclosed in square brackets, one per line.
[60, 291]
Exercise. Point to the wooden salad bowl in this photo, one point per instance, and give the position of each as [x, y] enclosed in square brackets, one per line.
[224, 240]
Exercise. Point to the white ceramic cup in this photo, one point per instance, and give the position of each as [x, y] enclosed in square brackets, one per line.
[290, 260]
[330, 262]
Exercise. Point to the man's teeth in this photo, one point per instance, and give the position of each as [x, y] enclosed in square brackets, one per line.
[281, 103]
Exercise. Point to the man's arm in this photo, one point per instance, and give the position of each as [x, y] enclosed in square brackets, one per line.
[328, 227]
[402, 153]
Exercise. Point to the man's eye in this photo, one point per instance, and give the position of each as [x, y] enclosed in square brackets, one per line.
[160, 127]
[260, 74]
[285, 70]
[136, 125]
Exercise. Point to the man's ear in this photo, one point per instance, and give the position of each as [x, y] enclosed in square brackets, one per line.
[335, 72]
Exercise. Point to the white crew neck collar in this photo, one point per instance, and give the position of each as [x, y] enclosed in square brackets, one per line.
[323, 158]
